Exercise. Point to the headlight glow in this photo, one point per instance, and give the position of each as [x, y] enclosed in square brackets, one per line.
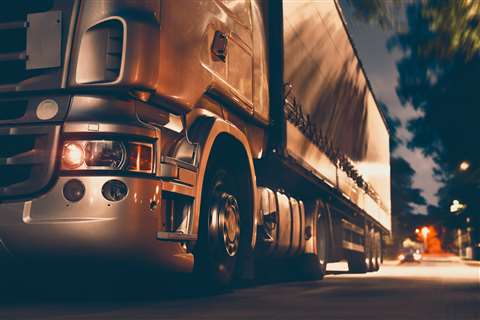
[107, 155]
[73, 155]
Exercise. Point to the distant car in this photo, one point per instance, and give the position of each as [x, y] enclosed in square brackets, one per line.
[410, 255]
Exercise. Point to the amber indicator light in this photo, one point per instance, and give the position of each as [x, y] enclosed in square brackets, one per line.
[140, 157]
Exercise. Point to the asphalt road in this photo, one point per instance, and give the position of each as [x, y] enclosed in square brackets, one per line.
[430, 290]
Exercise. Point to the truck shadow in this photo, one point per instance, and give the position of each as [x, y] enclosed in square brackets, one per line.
[107, 284]
[104, 284]
[100, 283]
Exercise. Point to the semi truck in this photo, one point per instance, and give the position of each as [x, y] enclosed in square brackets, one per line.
[213, 137]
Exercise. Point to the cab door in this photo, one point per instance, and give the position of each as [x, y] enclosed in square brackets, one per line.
[239, 54]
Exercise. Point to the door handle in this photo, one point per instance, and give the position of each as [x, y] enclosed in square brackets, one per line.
[219, 46]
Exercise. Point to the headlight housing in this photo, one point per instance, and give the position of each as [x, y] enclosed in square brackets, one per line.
[107, 155]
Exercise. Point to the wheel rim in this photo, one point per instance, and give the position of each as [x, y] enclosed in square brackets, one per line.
[224, 223]
[231, 225]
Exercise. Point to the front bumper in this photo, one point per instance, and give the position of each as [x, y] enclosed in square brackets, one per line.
[93, 229]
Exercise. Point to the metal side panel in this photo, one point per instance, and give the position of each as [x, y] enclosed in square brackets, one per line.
[329, 101]
[309, 155]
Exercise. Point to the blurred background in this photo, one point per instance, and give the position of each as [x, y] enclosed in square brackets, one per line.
[423, 61]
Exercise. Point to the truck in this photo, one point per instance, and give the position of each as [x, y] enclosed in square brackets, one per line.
[212, 137]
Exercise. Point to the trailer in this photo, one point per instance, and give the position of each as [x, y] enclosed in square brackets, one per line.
[219, 143]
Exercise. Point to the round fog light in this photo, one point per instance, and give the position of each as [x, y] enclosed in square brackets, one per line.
[114, 190]
[47, 109]
[73, 190]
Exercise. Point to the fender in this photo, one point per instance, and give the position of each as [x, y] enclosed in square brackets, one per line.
[204, 127]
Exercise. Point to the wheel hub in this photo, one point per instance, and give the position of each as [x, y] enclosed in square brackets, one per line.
[231, 225]
[224, 223]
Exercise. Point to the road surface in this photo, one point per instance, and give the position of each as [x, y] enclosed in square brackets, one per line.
[430, 290]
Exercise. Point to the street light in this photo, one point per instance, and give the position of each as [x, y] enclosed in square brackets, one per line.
[456, 207]
[464, 165]
[425, 231]
[470, 177]
[473, 172]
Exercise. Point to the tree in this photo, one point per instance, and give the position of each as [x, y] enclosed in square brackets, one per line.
[438, 75]
[454, 28]
[380, 12]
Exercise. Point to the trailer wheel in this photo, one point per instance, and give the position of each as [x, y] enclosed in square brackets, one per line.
[378, 251]
[322, 245]
[315, 266]
[356, 262]
[360, 262]
[371, 251]
[219, 229]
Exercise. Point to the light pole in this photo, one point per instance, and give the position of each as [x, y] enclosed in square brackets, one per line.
[456, 208]
[425, 231]
[469, 173]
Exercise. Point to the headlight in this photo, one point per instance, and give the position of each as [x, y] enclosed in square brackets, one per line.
[73, 155]
[401, 257]
[107, 155]
[417, 256]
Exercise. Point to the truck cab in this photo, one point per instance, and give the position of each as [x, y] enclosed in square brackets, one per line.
[94, 99]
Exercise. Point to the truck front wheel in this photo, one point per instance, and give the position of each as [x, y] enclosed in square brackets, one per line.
[219, 229]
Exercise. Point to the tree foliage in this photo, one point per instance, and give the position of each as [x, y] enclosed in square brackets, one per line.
[438, 75]
[379, 12]
[454, 26]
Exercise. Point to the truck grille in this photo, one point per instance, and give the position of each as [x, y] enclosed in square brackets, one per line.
[27, 159]
[14, 174]
[13, 30]
[12, 109]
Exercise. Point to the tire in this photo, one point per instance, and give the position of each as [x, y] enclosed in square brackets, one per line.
[314, 267]
[356, 262]
[378, 251]
[370, 254]
[218, 243]
[360, 262]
